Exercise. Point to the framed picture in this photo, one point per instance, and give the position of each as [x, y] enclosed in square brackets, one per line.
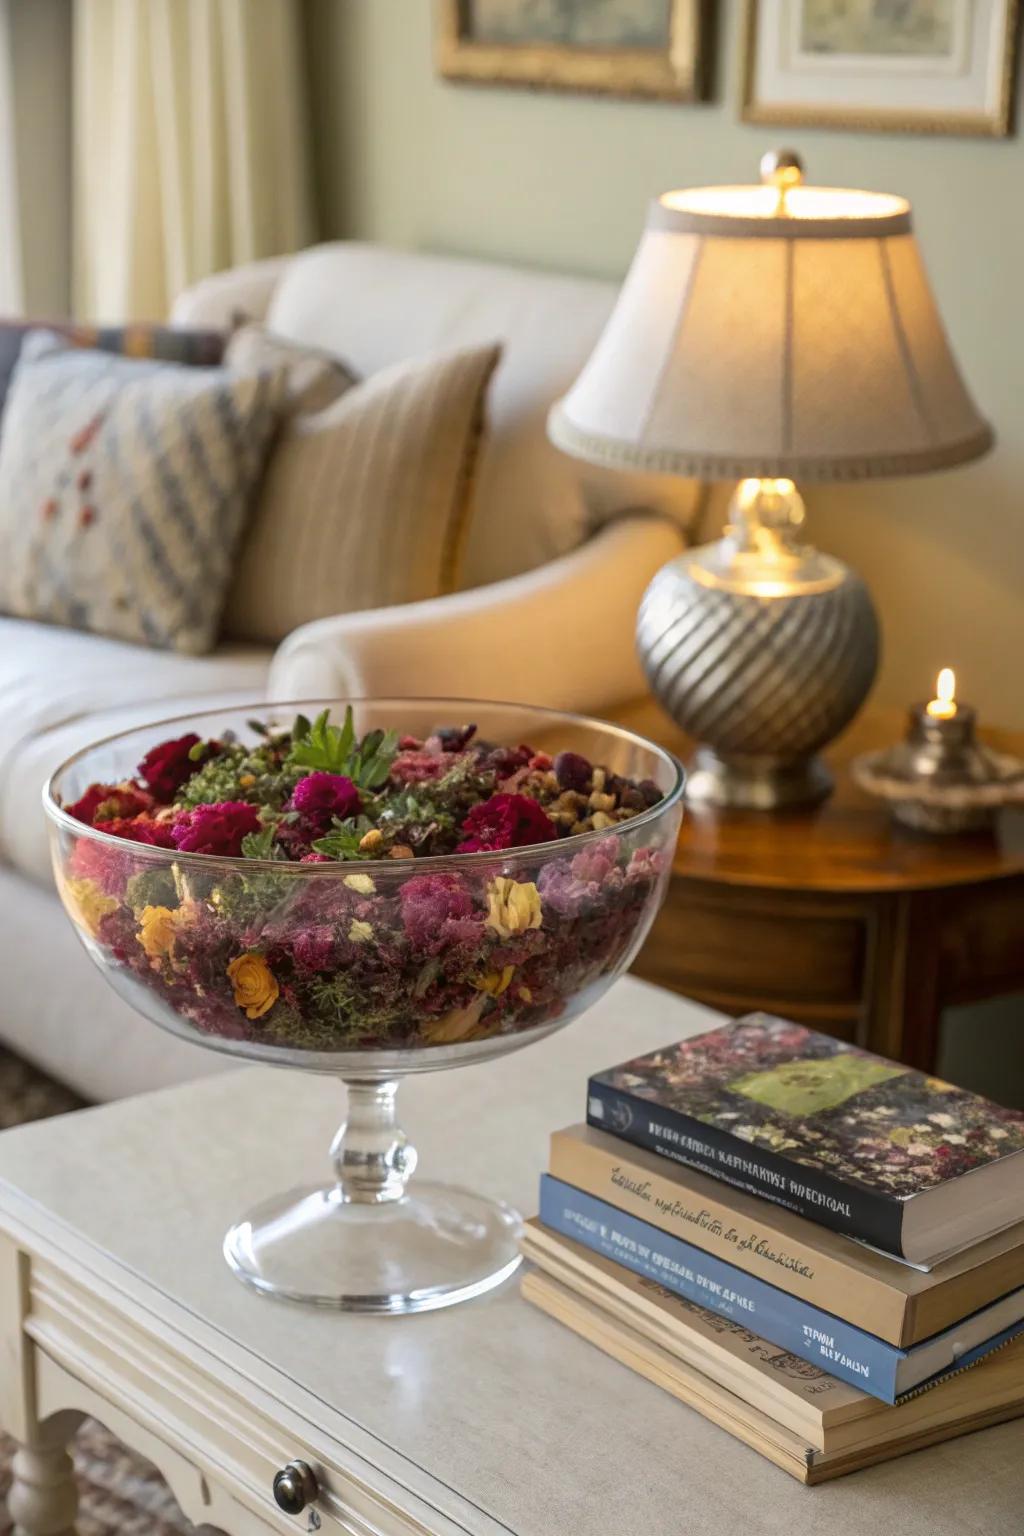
[927, 66]
[638, 48]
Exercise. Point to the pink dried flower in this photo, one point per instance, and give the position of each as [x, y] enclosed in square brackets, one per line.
[437, 911]
[418, 767]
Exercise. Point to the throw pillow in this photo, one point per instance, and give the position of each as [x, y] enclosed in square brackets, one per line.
[123, 489]
[364, 504]
[315, 378]
[203, 349]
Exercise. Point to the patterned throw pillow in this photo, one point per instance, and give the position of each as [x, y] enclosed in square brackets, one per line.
[165, 344]
[124, 486]
[365, 504]
[315, 378]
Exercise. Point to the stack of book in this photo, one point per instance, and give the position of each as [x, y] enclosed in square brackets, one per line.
[808, 1244]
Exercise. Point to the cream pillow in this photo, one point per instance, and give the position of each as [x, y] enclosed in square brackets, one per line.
[315, 379]
[364, 504]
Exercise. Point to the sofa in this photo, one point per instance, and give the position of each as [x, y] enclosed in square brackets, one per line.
[556, 562]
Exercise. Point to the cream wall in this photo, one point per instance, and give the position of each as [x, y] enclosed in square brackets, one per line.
[562, 182]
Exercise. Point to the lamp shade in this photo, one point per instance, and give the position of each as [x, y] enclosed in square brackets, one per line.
[756, 336]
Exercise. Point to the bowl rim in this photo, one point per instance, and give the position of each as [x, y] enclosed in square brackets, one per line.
[431, 862]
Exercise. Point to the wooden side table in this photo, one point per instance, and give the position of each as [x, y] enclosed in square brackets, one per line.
[837, 917]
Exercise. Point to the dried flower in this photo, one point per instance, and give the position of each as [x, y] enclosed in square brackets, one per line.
[166, 767]
[506, 821]
[362, 884]
[88, 902]
[512, 906]
[319, 798]
[216, 829]
[495, 982]
[253, 983]
[157, 931]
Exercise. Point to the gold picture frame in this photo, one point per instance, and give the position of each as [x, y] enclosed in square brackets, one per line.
[675, 72]
[994, 120]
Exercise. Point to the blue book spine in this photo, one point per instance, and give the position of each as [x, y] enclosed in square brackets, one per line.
[843, 1351]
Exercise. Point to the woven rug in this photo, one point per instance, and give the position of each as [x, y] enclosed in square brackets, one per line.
[119, 1493]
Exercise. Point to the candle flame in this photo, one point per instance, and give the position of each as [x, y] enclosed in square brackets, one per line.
[943, 706]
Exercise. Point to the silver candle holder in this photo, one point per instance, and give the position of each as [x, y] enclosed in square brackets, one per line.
[940, 778]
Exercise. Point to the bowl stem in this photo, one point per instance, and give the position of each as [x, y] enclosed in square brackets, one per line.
[373, 1157]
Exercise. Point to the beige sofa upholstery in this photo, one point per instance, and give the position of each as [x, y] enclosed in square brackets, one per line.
[555, 570]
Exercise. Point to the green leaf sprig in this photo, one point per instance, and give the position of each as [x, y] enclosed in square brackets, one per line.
[335, 749]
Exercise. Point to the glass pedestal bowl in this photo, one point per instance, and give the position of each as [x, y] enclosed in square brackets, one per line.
[370, 969]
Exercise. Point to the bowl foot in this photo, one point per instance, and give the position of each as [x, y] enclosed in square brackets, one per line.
[434, 1246]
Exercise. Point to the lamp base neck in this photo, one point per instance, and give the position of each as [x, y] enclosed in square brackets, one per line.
[756, 783]
[762, 552]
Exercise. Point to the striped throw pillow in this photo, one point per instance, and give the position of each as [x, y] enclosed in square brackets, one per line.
[365, 504]
[124, 486]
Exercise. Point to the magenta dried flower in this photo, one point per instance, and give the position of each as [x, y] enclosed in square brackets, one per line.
[217, 829]
[320, 797]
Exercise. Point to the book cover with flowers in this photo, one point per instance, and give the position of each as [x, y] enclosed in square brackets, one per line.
[844, 1137]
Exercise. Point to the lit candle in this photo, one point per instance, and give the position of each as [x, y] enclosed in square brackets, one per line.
[943, 706]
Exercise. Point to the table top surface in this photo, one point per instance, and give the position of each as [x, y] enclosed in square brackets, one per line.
[850, 843]
[507, 1421]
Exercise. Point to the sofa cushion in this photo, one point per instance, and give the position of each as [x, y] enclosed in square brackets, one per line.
[124, 486]
[364, 504]
[315, 378]
[165, 343]
[61, 690]
[376, 307]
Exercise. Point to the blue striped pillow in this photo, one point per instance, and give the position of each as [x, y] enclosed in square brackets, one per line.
[124, 489]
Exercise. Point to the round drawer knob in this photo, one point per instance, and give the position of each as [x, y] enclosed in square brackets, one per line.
[295, 1486]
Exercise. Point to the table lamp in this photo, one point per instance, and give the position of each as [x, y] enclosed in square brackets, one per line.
[768, 334]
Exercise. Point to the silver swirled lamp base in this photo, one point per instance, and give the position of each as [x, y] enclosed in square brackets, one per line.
[763, 650]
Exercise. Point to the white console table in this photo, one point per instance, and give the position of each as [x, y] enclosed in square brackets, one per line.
[487, 1418]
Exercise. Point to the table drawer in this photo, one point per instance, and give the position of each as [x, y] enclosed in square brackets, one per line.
[216, 1446]
[744, 952]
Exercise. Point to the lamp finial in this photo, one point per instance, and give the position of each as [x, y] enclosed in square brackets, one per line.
[782, 169]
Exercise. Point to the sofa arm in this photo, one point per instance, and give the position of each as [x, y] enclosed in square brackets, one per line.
[216, 302]
[561, 635]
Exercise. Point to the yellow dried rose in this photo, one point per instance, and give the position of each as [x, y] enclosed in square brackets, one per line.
[87, 902]
[157, 931]
[495, 982]
[362, 884]
[359, 932]
[255, 986]
[512, 906]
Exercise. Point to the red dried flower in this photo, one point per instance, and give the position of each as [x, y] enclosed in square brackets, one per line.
[217, 829]
[141, 829]
[109, 802]
[506, 821]
[166, 767]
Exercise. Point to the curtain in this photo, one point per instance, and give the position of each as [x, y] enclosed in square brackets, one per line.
[12, 280]
[190, 146]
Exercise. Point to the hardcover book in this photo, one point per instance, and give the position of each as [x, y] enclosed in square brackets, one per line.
[896, 1302]
[972, 1400]
[809, 1332]
[866, 1146]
